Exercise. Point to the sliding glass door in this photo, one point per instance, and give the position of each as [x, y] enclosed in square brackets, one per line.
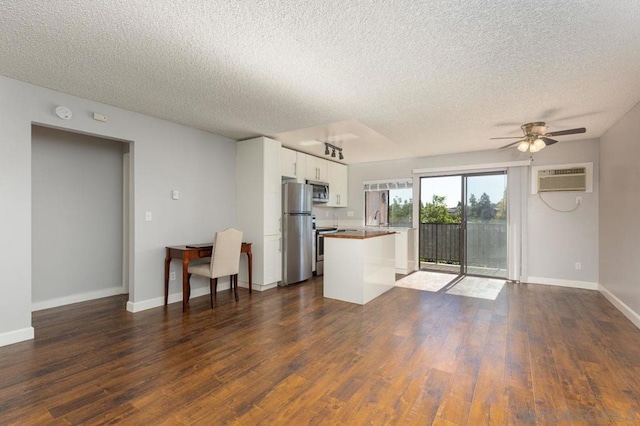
[463, 224]
[485, 225]
[441, 241]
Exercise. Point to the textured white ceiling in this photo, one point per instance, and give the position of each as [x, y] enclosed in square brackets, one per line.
[433, 77]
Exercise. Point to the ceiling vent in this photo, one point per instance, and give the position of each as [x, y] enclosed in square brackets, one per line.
[559, 178]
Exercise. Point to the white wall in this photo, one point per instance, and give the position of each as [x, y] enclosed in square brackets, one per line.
[619, 207]
[164, 156]
[556, 240]
[76, 216]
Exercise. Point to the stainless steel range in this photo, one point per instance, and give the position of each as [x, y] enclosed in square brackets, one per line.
[319, 247]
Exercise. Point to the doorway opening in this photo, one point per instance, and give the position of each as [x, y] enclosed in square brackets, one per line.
[463, 225]
[80, 217]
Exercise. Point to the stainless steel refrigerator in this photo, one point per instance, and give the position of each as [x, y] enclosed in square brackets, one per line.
[297, 232]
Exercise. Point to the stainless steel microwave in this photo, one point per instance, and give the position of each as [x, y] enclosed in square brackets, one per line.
[320, 191]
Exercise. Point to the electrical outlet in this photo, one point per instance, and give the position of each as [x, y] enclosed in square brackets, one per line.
[578, 200]
[578, 266]
[148, 216]
[349, 214]
[172, 276]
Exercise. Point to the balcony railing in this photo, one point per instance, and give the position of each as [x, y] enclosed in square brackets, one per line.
[486, 244]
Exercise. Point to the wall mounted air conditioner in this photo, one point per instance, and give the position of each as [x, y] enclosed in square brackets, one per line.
[566, 177]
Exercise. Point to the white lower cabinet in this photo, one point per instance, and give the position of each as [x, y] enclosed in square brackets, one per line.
[273, 258]
[405, 251]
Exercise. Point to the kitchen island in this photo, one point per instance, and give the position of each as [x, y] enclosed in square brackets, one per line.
[358, 265]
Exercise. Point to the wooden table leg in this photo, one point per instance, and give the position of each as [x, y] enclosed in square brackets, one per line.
[185, 282]
[167, 262]
[250, 267]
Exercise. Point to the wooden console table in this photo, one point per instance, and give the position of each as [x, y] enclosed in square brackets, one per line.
[191, 252]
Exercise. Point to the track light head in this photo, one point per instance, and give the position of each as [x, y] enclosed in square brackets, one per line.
[334, 148]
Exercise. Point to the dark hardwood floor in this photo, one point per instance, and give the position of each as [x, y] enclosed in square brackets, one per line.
[537, 354]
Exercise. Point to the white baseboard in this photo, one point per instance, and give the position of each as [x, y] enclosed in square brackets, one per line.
[412, 266]
[75, 298]
[622, 307]
[195, 292]
[264, 287]
[15, 336]
[143, 305]
[258, 287]
[562, 283]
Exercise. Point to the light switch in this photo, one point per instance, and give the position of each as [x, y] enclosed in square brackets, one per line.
[175, 194]
[147, 216]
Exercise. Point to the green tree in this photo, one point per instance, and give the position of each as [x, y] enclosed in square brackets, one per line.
[436, 211]
[457, 213]
[401, 212]
[472, 211]
[501, 208]
[486, 209]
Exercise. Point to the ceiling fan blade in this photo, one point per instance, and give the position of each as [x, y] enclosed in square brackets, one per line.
[567, 132]
[509, 137]
[512, 144]
[548, 141]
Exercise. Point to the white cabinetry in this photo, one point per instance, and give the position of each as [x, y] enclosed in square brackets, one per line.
[317, 169]
[405, 251]
[338, 184]
[258, 205]
[273, 259]
[293, 164]
[288, 162]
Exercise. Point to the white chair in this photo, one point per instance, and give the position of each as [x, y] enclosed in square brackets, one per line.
[225, 260]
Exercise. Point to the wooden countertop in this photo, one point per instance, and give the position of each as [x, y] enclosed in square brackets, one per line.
[359, 235]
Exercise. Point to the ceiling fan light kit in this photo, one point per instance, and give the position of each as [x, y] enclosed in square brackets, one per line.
[535, 137]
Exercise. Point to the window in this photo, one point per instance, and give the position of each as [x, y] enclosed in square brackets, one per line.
[389, 203]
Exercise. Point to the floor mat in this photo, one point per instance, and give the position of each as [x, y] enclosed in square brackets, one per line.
[483, 288]
[426, 280]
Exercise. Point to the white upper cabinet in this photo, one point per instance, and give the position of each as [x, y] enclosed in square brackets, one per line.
[272, 187]
[317, 169]
[293, 164]
[288, 162]
[338, 183]
[301, 167]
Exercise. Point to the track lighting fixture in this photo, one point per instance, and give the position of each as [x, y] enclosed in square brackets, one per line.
[334, 148]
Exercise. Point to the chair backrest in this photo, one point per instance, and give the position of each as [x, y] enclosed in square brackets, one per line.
[225, 259]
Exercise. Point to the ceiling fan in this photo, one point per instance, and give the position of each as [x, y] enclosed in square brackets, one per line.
[536, 137]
